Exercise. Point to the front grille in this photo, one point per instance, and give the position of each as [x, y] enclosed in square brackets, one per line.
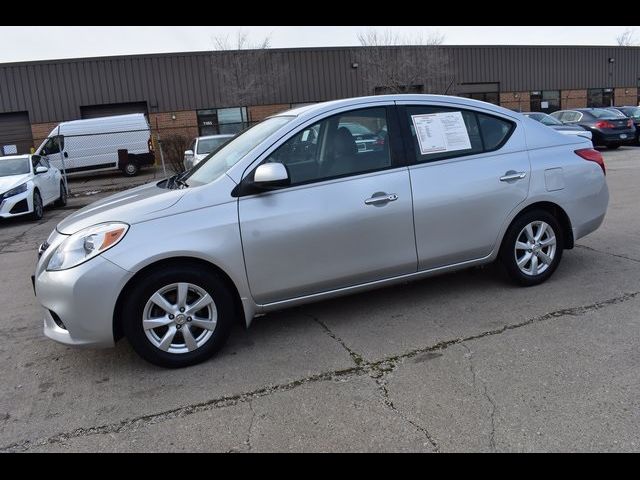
[20, 207]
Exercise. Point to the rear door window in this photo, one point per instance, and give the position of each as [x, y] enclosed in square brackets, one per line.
[453, 132]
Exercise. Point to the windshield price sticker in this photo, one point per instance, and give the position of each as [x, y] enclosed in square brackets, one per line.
[441, 132]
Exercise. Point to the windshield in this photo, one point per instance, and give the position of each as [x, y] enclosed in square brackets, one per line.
[604, 114]
[633, 112]
[211, 167]
[14, 166]
[545, 119]
[208, 145]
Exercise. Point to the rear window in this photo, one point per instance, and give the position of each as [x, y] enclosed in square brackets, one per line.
[208, 145]
[604, 114]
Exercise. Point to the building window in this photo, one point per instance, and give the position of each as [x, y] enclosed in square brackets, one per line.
[600, 97]
[491, 97]
[547, 101]
[222, 120]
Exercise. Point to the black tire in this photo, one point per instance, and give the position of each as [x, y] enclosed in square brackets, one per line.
[131, 169]
[508, 254]
[62, 200]
[144, 288]
[38, 207]
[613, 146]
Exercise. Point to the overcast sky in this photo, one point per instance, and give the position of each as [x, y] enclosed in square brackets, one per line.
[70, 42]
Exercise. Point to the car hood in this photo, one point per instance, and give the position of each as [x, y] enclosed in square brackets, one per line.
[7, 183]
[567, 128]
[131, 206]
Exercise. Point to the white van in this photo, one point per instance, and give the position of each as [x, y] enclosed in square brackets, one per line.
[119, 142]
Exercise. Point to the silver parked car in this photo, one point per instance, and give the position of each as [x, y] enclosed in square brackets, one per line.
[292, 211]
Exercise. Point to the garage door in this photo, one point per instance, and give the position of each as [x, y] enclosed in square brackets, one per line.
[110, 109]
[15, 133]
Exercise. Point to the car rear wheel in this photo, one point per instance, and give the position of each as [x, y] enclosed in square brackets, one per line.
[62, 199]
[532, 247]
[178, 316]
[38, 207]
[131, 169]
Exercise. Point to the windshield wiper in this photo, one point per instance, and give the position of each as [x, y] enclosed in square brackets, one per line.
[177, 180]
[181, 183]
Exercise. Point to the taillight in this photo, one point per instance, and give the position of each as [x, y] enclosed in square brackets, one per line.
[604, 124]
[629, 123]
[150, 144]
[593, 156]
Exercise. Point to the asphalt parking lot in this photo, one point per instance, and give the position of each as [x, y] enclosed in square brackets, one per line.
[460, 362]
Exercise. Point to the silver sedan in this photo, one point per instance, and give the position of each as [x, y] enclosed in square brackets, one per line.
[292, 211]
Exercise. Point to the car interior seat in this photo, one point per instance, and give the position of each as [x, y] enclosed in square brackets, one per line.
[342, 156]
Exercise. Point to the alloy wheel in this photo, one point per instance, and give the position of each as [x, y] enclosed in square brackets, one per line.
[179, 318]
[37, 205]
[535, 248]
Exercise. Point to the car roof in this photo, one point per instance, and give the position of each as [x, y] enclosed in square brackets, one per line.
[309, 111]
[12, 157]
[220, 135]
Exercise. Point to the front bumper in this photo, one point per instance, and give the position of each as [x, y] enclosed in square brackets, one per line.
[13, 203]
[82, 298]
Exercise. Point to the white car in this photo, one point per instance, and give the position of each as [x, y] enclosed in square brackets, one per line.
[28, 183]
[201, 147]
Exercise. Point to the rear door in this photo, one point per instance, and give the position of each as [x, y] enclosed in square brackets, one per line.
[470, 170]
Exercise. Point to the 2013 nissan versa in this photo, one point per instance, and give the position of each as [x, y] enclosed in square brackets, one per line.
[297, 209]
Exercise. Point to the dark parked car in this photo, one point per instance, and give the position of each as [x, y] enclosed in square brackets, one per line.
[557, 125]
[634, 114]
[608, 128]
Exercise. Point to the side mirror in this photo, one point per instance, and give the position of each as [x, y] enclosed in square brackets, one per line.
[188, 153]
[271, 175]
[41, 169]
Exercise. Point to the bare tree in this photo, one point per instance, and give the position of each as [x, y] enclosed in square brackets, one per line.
[626, 38]
[393, 63]
[248, 74]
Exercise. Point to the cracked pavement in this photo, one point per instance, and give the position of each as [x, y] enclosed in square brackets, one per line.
[459, 362]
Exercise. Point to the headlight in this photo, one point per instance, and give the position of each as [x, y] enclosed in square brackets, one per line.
[86, 244]
[15, 191]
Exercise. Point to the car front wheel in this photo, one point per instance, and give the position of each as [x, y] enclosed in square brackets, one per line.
[38, 207]
[532, 247]
[178, 316]
[62, 199]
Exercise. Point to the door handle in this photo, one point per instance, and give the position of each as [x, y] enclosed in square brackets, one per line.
[511, 175]
[381, 199]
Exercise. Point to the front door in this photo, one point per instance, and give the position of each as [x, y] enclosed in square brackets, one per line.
[346, 218]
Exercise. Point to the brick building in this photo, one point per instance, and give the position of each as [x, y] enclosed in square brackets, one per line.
[189, 93]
